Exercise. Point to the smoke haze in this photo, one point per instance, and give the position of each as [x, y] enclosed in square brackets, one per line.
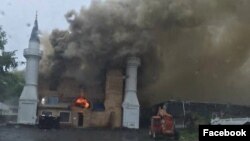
[190, 49]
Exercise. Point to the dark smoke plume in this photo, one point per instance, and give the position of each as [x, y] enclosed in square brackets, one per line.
[193, 50]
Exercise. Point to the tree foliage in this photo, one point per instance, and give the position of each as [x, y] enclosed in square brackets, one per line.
[11, 83]
[3, 39]
[7, 58]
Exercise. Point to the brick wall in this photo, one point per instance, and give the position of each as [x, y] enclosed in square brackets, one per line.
[113, 96]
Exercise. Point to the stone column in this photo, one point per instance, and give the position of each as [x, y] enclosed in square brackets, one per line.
[131, 106]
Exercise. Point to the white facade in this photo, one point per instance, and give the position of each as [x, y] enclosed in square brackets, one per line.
[230, 121]
[28, 100]
[4, 108]
[7, 110]
[131, 106]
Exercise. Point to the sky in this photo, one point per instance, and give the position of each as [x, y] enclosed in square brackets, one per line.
[17, 19]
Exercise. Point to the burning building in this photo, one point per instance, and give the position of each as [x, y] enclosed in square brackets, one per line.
[76, 104]
[186, 53]
[77, 108]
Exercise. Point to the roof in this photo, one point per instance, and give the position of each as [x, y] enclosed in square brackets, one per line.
[34, 33]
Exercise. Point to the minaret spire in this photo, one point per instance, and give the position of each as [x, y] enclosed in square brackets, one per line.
[34, 34]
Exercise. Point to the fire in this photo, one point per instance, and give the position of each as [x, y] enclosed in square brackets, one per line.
[82, 102]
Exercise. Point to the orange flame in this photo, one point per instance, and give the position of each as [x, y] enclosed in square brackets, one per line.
[82, 102]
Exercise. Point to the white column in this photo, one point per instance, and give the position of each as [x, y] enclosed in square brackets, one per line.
[27, 110]
[131, 107]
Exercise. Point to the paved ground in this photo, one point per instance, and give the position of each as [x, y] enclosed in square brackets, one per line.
[15, 133]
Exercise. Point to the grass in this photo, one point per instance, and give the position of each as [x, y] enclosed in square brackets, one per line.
[188, 135]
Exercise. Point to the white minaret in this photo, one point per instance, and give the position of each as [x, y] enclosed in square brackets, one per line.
[28, 100]
[131, 107]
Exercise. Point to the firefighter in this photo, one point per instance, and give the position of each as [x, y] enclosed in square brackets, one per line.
[162, 111]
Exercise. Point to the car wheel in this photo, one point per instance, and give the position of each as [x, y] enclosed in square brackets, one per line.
[154, 135]
[150, 133]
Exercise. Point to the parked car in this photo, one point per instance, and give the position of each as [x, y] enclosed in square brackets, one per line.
[48, 122]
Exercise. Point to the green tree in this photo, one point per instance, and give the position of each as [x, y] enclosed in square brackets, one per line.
[11, 87]
[3, 39]
[7, 58]
[11, 82]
